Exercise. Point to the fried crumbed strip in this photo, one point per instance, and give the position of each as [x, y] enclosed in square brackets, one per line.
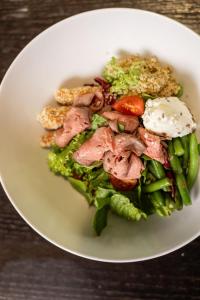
[66, 96]
[52, 117]
[47, 139]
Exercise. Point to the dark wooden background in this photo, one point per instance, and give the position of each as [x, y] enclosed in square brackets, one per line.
[30, 267]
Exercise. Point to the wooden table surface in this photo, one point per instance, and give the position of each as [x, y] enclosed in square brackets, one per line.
[30, 267]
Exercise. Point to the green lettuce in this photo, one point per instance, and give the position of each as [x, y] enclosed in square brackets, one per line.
[122, 206]
[98, 121]
[103, 197]
[109, 198]
[60, 160]
[123, 79]
[100, 219]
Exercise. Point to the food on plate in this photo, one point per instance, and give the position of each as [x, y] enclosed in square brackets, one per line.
[126, 142]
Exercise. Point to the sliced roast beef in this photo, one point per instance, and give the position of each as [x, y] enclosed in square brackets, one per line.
[83, 100]
[124, 166]
[76, 121]
[113, 125]
[125, 141]
[135, 167]
[106, 108]
[123, 185]
[117, 165]
[154, 149]
[94, 99]
[130, 122]
[94, 148]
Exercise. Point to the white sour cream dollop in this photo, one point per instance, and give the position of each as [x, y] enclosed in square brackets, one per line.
[168, 116]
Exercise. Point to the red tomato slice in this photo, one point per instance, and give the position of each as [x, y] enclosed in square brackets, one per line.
[130, 105]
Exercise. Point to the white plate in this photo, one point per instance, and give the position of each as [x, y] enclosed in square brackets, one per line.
[69, 53]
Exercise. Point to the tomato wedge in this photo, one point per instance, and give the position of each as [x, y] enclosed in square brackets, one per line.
[130, 105]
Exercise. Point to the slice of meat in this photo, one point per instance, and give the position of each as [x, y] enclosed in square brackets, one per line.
[83, 100]
[116, 165]
[93, 99]
[130, 122]
[135, 167]
[97, 101]
[154, 149]
[124, 141]
[52, 117]
[106, 108]
[94, 148]
[123, 185]
[76, 121]
[125, 166]
[114, 125]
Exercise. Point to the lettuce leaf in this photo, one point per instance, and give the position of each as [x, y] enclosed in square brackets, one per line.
[82, 188]
[122, 78]
[103, 197]
[85, 171]
[122, 206]
[60, 160]
[98, 121]
[100, 219]
[118, 203]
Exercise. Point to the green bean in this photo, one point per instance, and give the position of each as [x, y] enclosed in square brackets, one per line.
[178, 200]
[178, 148]
[150, 177]
[185, 143]
[183, 189]
[170, 203]
[158, 202]
[193, 165]
[173, 159]
[157, 185]
[158, 171]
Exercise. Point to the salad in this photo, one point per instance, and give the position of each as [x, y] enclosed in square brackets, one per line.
[126, 141]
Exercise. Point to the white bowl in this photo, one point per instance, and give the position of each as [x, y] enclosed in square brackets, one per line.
[70, 53]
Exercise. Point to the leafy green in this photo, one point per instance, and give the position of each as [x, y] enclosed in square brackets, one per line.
[102, 197]
[81, 170]
[102, 180]
[60, 161]
[82, 188]
[79, 185]
[122, 78]
[100, 219]
[98, 121]
[122, 206]
[180, 91]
